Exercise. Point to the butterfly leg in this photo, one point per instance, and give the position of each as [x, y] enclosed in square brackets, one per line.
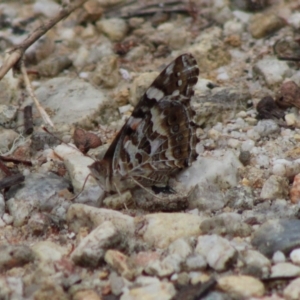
[163, 189]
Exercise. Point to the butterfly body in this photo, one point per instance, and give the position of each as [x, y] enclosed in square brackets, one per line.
[159, 138]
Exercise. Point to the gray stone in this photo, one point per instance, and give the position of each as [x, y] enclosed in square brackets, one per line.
[239, 197]
[277, 235]
[275, 187]
[38, 192]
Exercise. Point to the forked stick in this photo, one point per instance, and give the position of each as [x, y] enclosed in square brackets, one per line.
[17, 52]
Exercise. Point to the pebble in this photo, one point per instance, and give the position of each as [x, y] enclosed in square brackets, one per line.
[295, 190]
[292, 290]
[116, 283]
[15, 256]
[295, 256]
[294, 20]
[11, 287]
[241, 287]
[77, 166]
[152, 287]
[114, 28]
[255, 259]
[201, 197]
[92, 248]
[286, 168]
[81, 215]
[122, 264]
[229, 224]
[221, 170]
[51, 93]
[263, 24]
[275, 187]
[273, 70]
[219, 253]
[7, 138]
[277, 235]
[48, 251]
[278, 257]
[149, 226]
[266, 128]
[239, 197]
[7, 113]
[284, 269]
[42, 193]
[195, 262]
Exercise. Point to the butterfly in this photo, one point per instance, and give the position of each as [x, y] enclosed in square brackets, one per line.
[159, 138]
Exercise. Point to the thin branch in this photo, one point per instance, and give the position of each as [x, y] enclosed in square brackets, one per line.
[29, 89]
[17, 52]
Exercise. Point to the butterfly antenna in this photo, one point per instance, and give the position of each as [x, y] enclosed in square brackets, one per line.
[140, 185]
[87, 177]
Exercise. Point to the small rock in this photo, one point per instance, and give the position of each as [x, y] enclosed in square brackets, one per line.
[77, 166]
[51, 93]
[284, 270]
[275, 187]
[209, 50]
[48, 251]
[219, 253]
[278, 257]
[295, 256]
[114, 28]
[117, 201]
[86, 295]
[80, 215]
[179, 225]
[244, 157]
[292, 290]
[263, 24]
[254, 259]
[11, 287]
[15, 256]
[294, 20]
[226, 224]
[286, 168]
[266, 128]
[7, 138]
[195, 262]
[151, 288]
[140, 85]
[239, 197]
[201, 197]
[52, 66]
[38, 223]
[121, 263]
[7, 114]
[273, 70]
[295, 190]
[222, 171]
[116, 283]
[274, 235]
[38, 192]
[288, 95]
[241, 287]
[91, 249]
[107, 72]
[267, 109]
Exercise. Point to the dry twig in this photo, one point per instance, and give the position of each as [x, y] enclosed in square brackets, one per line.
[17, 52]
[29, 89]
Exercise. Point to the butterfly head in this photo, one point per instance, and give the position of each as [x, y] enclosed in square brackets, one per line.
[100, 170]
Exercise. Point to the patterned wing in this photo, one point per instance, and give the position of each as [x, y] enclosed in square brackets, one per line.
[159, 137]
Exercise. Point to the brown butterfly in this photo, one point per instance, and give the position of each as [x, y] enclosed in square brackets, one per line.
[159, 138]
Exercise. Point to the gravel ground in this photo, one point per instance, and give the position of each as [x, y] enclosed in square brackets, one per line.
[232, 229]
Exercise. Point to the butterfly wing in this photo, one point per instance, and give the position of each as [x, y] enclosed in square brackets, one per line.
[159, 137]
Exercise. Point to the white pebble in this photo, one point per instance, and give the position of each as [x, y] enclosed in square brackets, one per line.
[295, 256]
[278, 257]
[233, 143]
[247, 145]
[253, 135]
